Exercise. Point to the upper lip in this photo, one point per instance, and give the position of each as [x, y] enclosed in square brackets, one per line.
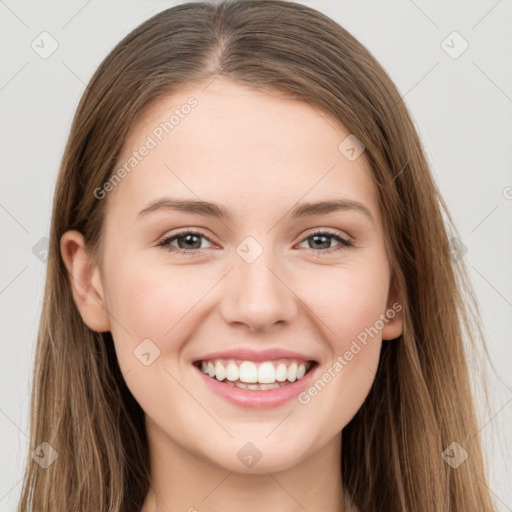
[248, 354]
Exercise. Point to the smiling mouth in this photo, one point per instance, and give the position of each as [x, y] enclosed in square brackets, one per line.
[264, 375]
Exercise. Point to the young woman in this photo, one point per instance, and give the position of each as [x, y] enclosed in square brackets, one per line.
[251, 298]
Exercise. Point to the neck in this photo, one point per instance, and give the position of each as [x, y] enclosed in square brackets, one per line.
[183, 480]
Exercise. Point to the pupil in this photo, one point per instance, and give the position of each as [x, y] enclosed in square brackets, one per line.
[188, 238]
[325, 244]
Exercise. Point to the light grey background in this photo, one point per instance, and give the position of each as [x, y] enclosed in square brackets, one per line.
[461, 106]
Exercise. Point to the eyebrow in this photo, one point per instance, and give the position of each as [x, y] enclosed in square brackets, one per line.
[209, 209]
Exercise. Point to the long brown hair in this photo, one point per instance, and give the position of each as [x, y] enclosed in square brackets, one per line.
[421, 400]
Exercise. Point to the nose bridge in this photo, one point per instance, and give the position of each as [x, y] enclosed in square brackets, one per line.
[256, 293]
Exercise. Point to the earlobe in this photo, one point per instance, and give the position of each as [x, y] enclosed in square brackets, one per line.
[393, 327]
[394, 316]
[85, 281]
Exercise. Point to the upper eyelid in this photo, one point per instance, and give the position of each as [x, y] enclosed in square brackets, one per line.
[197, 231]
[194, 231]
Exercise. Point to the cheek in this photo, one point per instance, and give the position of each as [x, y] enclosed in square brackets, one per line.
[152, 312]
[348, 300]
[162, 303]
[149, 301]
[166, 304]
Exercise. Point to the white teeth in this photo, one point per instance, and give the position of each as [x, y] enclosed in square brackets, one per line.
[232, 372]
[248, 372]
[281, 372]
[292, 372]
[220, 372]
[267, 375]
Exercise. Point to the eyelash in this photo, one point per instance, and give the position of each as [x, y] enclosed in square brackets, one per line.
[343, 242]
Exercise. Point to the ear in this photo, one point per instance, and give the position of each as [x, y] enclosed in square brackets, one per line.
[85, 281]
[394, 314]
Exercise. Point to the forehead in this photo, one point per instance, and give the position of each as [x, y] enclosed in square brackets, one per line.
[228, 143]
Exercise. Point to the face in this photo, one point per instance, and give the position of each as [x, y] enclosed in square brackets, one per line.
[265, 286]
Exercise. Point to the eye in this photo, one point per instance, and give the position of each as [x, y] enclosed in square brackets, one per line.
[189, 242]
[323, 239]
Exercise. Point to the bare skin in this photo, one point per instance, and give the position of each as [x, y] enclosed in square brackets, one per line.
[257, 155]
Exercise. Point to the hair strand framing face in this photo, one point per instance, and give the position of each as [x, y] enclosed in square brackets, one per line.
[421, 398]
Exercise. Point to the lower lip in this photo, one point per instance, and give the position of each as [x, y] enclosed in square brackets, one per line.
[258, 399]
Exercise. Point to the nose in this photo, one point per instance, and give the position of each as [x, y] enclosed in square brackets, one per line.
[258, 295]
